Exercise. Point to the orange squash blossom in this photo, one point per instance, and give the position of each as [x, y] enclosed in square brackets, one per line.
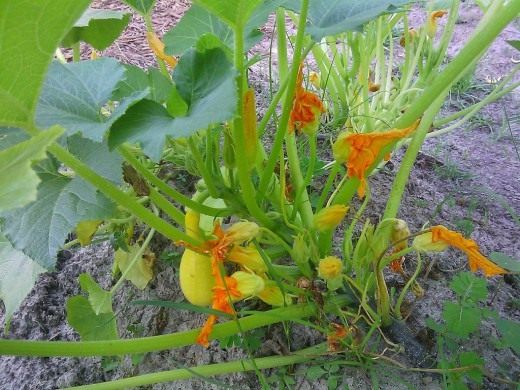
[476, 259]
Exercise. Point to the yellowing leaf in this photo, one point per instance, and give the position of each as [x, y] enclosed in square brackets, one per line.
[86, 230]
[140, 271]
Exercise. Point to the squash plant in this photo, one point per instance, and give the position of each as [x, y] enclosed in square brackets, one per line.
[82, 143]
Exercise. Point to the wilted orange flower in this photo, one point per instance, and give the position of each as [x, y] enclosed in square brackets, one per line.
[397, 265]
[360, 151]
[157, 47]
[432, 21]
[335, 337]
[475, 259]
[306, 110]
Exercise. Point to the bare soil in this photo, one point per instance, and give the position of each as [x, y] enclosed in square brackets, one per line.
[468, 180]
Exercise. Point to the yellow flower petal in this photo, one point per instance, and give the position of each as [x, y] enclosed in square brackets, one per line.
[330, 267]
[329, 217]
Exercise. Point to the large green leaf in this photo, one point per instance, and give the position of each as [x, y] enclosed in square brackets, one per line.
[141, 6]
[205, 81]
[198, 22]
[19, 181]
[40, 228]
[30, 31]
[510, 331]
[74, 96]
[87, 323]
[97, 27]
[10, 136]
[137, 80]
[331, 17]
[234, 12]
[18, 273]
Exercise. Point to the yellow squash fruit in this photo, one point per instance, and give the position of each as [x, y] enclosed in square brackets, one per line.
[195, 275]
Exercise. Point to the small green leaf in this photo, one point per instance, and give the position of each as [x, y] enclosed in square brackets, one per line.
[142, 6]
[141, 272]
[469, 287]
[515, 43]
[100, 299]
[510, 331]
[87, 323]
[205, 81]
[98, 27]
[19, 181]
[315, 372]
[505, 261]
[461, 320]
[30, 31]
[233, 12]
[18, 273]
[75, 94]
[40, 228]
[137, 80]
[472, 359]
[175, 104]
[331, 17]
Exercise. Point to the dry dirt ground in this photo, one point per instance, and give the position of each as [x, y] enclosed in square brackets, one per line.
[468, 179]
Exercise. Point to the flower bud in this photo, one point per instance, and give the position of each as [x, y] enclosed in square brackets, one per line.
[248, 257]
[315, 79]
[248, 284]
[341, 148]
[432, 22]
[243, 231]
[330, 267]
[424, 243]
[400, 232]
[329, 217]
[272, 295]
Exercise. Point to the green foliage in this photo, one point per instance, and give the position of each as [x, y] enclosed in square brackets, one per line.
[10, 136]
[15, 169]
[461, 320]
[74, 96]
[137, 80]
[29, 33]
[97, 27]
[18, 273]
[100, 299]
[40, 228]
[87, 323]
[233, 12]
[198, 23]
[334, 17]
[142, 6]
[329, 372]
[505, 261]
[205, 81]
[515, 44]
[510, 331]
[469, 288]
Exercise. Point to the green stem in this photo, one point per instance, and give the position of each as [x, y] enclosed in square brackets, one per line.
[120, 197]
[127, 154]
[400, 300]
[210, 370]
[485, 33]
[304, 204]
[154, 343]
[288, 102]
[281, 44]
[328, 185]
[149, 28]
[243, 170]
[76, 52]
[201, 167]
[163, 203]
[394, 201]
